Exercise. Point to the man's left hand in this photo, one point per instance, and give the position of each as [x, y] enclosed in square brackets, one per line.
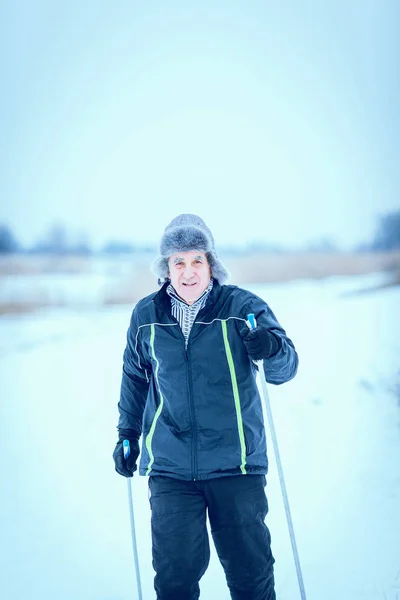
[261, 343]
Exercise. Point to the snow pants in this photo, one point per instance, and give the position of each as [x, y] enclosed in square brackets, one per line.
[237, 507]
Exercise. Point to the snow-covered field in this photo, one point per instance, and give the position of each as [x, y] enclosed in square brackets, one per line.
[65, 530]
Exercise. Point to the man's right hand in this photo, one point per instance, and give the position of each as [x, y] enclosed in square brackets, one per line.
[126, 467]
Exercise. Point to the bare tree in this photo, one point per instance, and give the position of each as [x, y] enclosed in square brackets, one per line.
[8, 242]
[387, 236]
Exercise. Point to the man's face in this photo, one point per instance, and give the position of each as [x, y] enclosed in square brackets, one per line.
[189, 273]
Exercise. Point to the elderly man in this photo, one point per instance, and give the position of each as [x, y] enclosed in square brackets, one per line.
[189, 389]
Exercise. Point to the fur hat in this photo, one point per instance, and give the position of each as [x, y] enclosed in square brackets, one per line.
[188, 232]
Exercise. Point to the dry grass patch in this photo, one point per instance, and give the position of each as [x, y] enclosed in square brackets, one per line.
[264, 268]
[128, 285]
[31, 264]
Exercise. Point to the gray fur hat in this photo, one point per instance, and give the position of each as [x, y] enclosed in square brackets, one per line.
[188, 232]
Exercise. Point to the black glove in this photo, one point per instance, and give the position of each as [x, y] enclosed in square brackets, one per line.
[261, 343]
[126, 467]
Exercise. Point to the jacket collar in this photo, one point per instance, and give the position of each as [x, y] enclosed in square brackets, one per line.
[200, 300]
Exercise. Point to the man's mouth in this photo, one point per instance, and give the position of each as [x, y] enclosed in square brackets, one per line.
[188, 284]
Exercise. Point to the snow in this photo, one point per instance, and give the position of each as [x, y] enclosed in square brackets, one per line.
[64, 511]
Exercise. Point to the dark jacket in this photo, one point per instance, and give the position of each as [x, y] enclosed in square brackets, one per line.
[199, 408]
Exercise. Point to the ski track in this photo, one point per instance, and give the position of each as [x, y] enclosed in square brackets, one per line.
[65, 522]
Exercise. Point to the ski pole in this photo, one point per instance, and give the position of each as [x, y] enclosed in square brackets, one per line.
[127, 451]
[252, 322]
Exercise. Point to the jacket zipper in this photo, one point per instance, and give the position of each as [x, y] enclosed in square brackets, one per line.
[191, 404]
[192, 417]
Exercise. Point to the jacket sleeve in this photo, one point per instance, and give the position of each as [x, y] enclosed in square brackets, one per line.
[136, 374]
[282, 366]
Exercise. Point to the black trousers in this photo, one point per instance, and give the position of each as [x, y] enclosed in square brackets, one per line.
[237, 507]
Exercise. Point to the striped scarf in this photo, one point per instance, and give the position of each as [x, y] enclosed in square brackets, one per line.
[184, 313]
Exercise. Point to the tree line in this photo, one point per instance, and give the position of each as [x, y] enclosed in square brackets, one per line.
[61, 242]
[58, 241]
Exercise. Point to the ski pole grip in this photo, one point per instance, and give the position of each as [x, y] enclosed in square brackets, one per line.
[252, 320]
[127, 448]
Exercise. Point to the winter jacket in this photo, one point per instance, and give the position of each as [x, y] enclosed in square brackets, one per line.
[199, 408]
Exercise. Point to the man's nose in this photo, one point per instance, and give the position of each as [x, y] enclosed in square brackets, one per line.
[188, 271]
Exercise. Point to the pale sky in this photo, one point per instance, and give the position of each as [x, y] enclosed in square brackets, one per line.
[274, 121]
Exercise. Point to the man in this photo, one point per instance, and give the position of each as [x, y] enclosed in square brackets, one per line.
[189, 388]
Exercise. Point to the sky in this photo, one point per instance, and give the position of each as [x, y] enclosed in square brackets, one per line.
[276, 122]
